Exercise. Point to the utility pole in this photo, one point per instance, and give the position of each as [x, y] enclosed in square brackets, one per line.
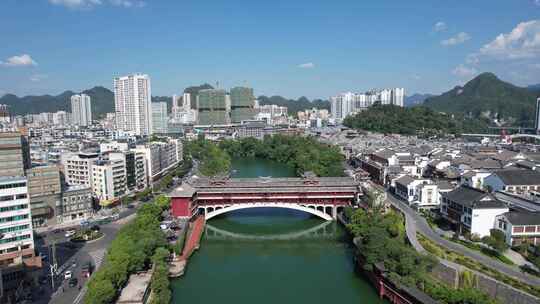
[53, 265]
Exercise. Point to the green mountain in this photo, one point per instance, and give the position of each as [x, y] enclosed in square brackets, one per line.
[417, 120]
[293, 106]
[102, 102]
[488, 96]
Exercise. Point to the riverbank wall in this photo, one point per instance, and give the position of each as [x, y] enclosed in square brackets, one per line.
[193, 239]
[385, 288]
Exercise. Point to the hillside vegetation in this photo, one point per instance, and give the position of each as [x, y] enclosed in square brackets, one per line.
[488, 96]
[413, 121]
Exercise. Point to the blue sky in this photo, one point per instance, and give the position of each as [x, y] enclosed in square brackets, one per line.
[292, 48]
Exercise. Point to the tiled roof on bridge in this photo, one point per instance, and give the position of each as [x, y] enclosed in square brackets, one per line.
[330, 184]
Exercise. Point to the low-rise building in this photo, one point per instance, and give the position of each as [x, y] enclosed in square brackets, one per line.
[77, 167]
[514, 181]
[44, 189]
[109, 182]
[472, 210]
[77, 204]
[520, 227]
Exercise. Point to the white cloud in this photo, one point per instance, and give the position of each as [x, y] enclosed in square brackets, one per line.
[440, 26]
[128, 3]
[37, 77]
[307, 65]
[76, 3]
[464, 71]
[91, 3]
[21, 60]
[458, 39]
[521, 43]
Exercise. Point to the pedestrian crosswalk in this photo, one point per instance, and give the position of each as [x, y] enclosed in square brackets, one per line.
[97, 256]
[80, 296]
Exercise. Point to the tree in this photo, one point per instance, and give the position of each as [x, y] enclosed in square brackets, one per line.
[164, 202]
[496, 240]
[100, 291]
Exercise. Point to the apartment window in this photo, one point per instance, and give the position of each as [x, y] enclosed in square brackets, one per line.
[13, 218]
[6, 198]
[530, 229]
[13, 208]
[21, 196]
[14, 239]
[518, 229]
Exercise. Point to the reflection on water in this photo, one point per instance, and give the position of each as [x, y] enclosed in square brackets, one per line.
[268, 256]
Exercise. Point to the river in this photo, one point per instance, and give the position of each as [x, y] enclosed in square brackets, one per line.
[271, 256]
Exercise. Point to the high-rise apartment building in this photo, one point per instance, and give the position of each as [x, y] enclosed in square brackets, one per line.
[132, 100]
[5, 117]
[81, 110]
[159, 117]
[14, 154]
[242, 104]
[537, 116]
[17, 254]
[349, 103]
[212, 107]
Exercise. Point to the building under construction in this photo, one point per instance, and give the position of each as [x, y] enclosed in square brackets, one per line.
[213, 107]
[242, 104]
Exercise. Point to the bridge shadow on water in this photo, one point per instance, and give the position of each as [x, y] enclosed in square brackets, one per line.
[270, 224]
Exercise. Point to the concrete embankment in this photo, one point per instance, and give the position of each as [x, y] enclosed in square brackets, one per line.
[193, 239]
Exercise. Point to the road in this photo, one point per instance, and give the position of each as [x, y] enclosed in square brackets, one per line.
[416, 222]
[66, 254]
[93, 252]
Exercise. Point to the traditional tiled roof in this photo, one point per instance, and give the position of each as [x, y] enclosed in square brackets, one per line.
[473, 198]
[519, 177]
[523, 218]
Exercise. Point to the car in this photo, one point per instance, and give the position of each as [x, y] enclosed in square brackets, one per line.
[130, 206]
[74, 264]
[68, 274]
[95, 228]
[73, 282]
[56, 231]
[70, 233]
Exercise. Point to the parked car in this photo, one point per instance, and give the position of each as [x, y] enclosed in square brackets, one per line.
[68, 274]
[73, 282]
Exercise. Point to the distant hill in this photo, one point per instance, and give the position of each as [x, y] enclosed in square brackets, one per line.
[293, 106]
[534, 88]
[416, 99]
[102, 102]
[488, 96]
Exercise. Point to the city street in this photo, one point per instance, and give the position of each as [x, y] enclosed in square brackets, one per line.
[68, 253]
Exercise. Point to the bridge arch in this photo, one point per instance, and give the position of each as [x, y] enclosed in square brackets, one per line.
[216, 212]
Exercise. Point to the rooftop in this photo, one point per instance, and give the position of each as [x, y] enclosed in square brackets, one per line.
[136, 289]
[523, 218]
[519, 177]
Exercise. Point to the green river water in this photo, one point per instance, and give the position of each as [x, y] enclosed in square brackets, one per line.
[271, 256]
